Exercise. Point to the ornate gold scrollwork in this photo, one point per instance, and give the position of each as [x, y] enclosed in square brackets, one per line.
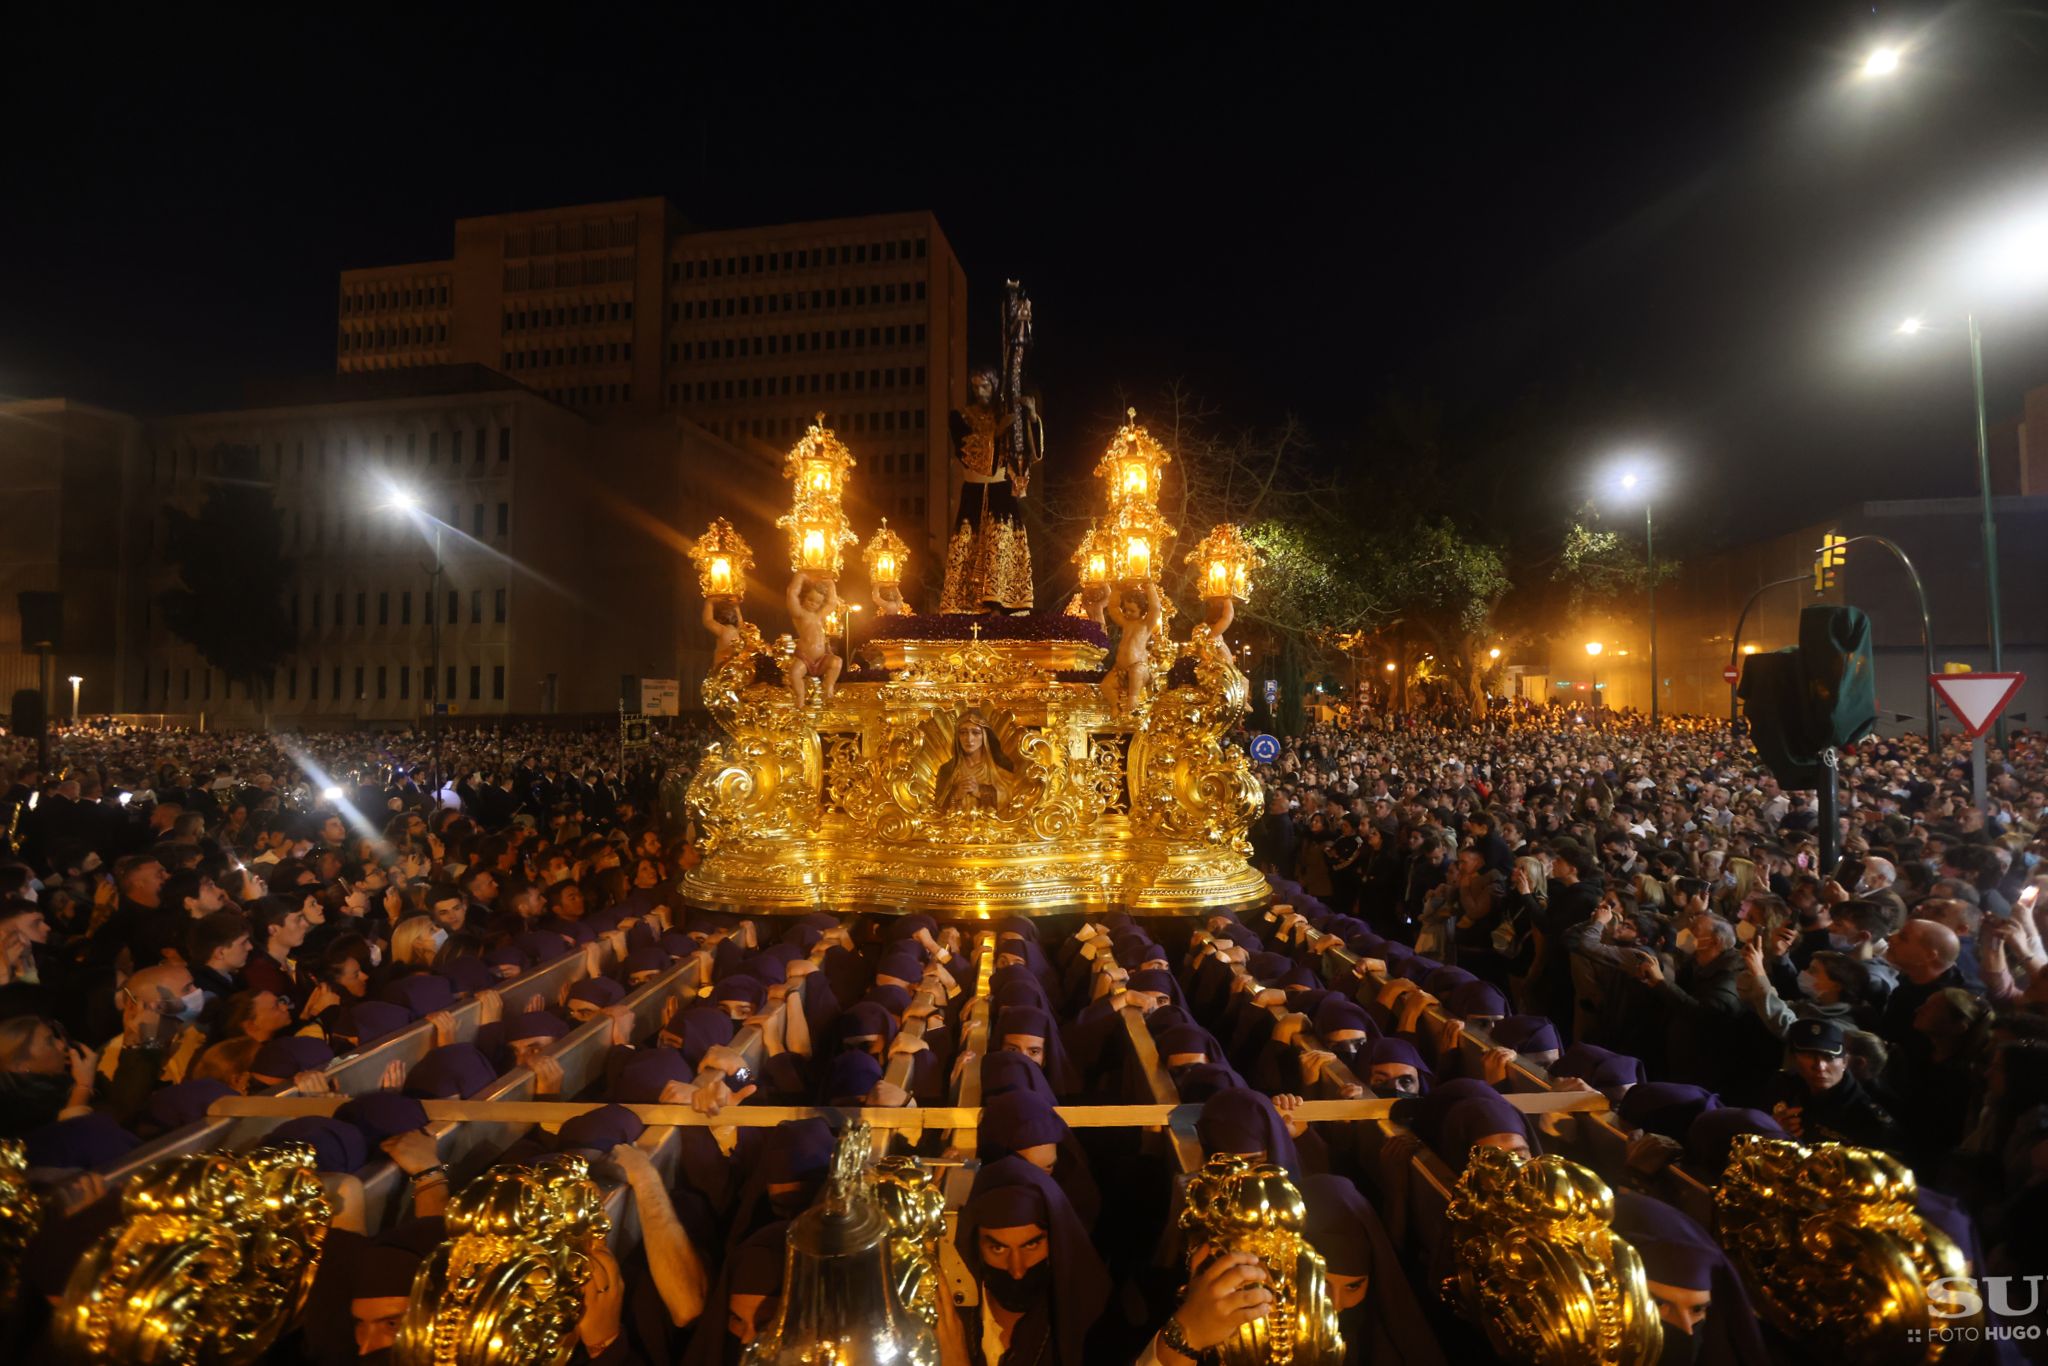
[1240, 1206]
[1184, 781]
[916, 1211]
[506, 1289]
[21, 1216]
[1828, 1240]
[212, 1258]
[508, 1283]
[1539, 1268]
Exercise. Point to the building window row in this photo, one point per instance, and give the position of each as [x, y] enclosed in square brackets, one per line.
[340, 683]
[333, 524]
[379, 338]
[789, 343]
[377, 298]
[351, 456]
[790, 426]
[591, 270]
[568, 315]
[900, 462]
[586, 234]
[782, 386]
[315, 606]
[805, 258]
[853, 296]
[545, 357]
[584, 395]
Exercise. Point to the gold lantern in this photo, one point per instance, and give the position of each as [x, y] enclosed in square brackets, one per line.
[887, 557]
[818, 530]
[724, 560]
[1091, 557]
[1224, 562]
[818, 463]
[1132, 545]
[1133, 465]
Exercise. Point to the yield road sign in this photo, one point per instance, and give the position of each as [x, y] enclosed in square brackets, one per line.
[1976, 699]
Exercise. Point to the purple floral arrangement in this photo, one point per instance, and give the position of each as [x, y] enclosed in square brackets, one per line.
[959, 626]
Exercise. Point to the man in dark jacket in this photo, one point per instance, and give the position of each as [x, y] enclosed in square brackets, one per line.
[1273, 838]
[1820, 1100]
[1575, 889]
[1703, 1009]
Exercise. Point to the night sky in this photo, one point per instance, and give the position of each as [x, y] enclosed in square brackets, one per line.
[1683, 229]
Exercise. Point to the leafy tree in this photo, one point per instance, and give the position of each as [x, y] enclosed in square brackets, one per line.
[229, 604]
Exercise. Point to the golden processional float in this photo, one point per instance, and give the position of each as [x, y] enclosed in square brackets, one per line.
[976, 763]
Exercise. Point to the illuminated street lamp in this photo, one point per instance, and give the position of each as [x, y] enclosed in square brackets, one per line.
[1593, 648]
[76, 679]
[1882, 61]
[1494, 653]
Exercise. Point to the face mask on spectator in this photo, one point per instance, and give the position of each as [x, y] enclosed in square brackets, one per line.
[440, 936]
[1807, 986]
[1684, 942]
[1744, 931]
[1842, 943]
[376, 954]
[190, 1004]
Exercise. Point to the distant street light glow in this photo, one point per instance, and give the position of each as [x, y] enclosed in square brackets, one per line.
[1494, 653]
[1911, 327]
[403, 499]
[1593, 647]
[1882, 61]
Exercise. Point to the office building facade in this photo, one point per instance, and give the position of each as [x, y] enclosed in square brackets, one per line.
[621, 312]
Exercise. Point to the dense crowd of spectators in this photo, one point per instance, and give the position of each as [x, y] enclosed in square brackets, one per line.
[1642, 914]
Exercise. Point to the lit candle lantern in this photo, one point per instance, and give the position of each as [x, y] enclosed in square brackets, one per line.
[1138, 558]
[886, 556]
[1226, 560]
[814, 548]
[723, 561]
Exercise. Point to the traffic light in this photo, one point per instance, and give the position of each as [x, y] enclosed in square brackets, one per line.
[1833, 553]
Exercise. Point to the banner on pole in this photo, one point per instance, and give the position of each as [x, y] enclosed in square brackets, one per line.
[661, 697]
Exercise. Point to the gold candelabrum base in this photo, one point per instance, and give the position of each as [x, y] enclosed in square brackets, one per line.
[876, 800]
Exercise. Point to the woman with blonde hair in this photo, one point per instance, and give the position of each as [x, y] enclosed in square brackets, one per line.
[415, 940]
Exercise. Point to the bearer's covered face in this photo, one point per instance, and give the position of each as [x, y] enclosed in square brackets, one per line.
[971, 737]
[1399, 1077]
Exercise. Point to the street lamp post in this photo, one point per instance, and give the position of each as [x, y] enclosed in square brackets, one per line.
[406, 503]
[1989, 529]
[1631, 481]
[1593, 648]
[75, 681]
